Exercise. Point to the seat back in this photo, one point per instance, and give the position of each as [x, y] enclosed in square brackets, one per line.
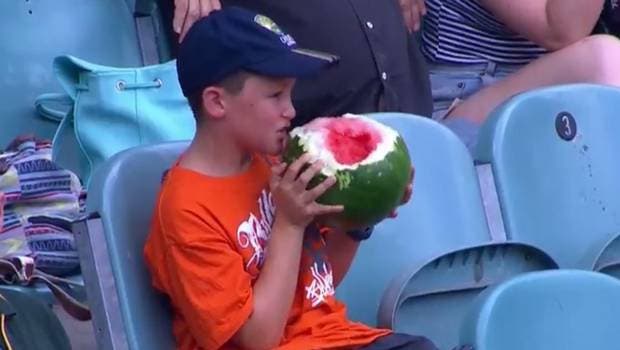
[554, 158]
[123, 191]
[608, 262]
[435, 299]
[564, 309]
[444, 214]
[103, 32]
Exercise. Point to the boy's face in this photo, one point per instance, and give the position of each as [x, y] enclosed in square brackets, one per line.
[261, 113]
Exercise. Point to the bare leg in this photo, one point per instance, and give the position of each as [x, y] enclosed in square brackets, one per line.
[595, 59]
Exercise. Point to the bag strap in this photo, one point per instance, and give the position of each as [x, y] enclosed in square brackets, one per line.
[42, 106]
[145, 27]
[15, 271]
[4, 333]
[71, 305]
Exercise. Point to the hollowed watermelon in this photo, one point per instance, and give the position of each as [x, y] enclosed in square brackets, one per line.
[369, 159]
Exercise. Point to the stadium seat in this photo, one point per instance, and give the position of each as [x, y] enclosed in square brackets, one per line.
[104, 32]
[432, 300]
[123, 33]
[554, 159]
[444, 214]
[608, 262]
[439, 243]
[127, 312]
[563, 309]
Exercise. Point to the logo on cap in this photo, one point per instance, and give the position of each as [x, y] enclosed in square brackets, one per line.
[270, 25]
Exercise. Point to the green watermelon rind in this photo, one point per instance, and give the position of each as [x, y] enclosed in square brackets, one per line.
[361, 208]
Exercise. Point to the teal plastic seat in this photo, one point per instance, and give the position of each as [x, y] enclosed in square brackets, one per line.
[127, 312]
[554, 158]
[418, 272]
[433, 299]
[439, 244]
[123, 33]
[40, 31]
[608, 262]
[103, 32]
[551, 310]
[445, 213]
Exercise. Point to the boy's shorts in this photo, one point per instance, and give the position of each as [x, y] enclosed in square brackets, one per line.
[400, 341]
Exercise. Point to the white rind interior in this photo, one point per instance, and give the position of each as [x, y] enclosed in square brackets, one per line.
[313, 141]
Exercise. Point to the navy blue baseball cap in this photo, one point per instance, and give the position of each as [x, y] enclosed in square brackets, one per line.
[235, 39]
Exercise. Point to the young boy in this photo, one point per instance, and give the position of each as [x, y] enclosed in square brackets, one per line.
[232, 242]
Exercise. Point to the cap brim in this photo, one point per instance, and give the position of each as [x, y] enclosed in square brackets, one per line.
[297, 63]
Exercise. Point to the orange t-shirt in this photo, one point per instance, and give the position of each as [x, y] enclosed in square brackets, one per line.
[206, 249]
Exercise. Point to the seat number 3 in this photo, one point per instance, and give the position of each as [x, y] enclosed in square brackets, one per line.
[566, 126]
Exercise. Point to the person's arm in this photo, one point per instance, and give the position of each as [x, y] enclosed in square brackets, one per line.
[209, 285]
[413, 11]
[552, 24]
[274, 289]
[341, 249]
[214, 294]
[186, 12]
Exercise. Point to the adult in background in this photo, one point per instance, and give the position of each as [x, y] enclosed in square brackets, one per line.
[481, 52]
[380, 69]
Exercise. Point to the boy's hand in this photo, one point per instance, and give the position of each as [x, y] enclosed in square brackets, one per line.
[408, 192]
[186, 12]
[295, 204]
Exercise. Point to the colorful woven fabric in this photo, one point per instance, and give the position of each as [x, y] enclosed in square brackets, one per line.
[41, 201]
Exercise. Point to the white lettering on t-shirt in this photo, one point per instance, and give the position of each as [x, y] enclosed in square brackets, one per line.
[322, 285]
[254, 232]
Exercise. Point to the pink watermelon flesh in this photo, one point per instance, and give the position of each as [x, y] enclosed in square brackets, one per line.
[350, 140]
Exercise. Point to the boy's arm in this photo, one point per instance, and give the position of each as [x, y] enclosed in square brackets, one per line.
[212, 291]
[209, 285]
[275, 287]
[341, 249]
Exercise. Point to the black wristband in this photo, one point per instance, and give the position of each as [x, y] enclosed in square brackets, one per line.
[360, 234]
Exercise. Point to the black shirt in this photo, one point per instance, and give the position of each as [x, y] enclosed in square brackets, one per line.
[381, 67]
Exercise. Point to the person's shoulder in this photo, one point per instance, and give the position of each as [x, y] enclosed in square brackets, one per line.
[184, 201]
[181, 188]
[191, 199]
